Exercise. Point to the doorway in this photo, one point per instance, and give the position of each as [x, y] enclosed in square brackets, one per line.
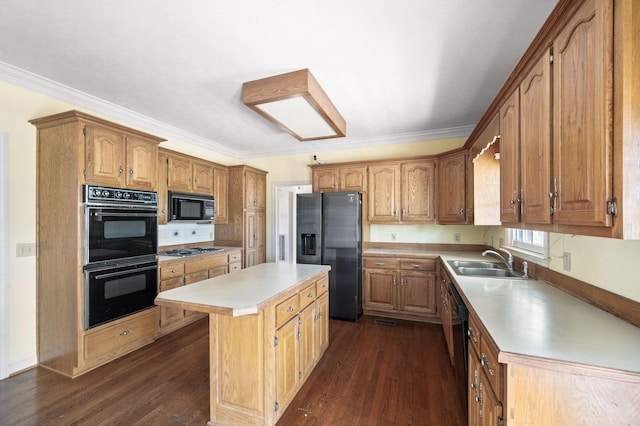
[285, 219]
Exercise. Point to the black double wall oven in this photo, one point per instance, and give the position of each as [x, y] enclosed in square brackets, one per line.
[120, 253]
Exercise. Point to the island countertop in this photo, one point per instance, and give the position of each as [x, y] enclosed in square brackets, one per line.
[243, 292]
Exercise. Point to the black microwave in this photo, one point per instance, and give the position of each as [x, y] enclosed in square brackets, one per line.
[190, 207]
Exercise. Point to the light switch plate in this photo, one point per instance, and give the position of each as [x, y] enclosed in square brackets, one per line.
[25, 249]
[566, 261]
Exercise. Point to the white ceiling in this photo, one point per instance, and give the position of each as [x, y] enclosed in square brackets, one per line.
[398, 71]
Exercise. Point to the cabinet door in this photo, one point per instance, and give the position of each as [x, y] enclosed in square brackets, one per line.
[255, 191]
[326, 180]
[473, 399]
[142, 163]
[384, 197]
[582, 105]
[180, 172]
[418, 192]
[380, 290]
[251, 239]
[104, 156]
[510, 159]
[163, 196]
[261, 237]
[170, 315]
[353, 179]
[261, 191]
[417, 292]
[452, 188]
[307, 340]
[220, 186]
[322, 324]
[490, 406]
[202, 178]
[535, 142]
[287, 368]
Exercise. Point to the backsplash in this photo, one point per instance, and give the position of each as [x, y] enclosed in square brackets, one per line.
[427, 233]
[184, 233]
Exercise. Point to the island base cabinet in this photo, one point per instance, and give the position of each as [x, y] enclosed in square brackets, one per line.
[571, 395]
[258, 362]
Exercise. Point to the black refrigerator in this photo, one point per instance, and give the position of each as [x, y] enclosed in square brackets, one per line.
[329, 232]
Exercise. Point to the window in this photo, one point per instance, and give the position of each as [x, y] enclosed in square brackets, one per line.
[532, 245]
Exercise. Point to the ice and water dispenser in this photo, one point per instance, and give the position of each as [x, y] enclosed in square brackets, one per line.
[308, 244]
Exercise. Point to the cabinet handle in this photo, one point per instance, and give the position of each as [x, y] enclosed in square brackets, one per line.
[309, 296]
[404, 212]
[379, 263]
[472, 335]
[395, 212]
[130, 172]
[173, 271]
[394, 280]
[416, 266]
[461, 211]
[402, 282]
[120, 170]
[124, 333]
[290, 308]
[485, 363]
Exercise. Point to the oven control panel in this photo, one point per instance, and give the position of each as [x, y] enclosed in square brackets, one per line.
[96, 194]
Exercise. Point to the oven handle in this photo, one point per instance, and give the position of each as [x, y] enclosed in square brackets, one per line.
[126, 214]
[127, 272]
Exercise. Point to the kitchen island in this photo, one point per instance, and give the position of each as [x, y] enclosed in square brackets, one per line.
[268, 327]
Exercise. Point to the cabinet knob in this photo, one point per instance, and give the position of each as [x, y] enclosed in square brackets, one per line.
[124, 333]
[130, 172]
[120, 170]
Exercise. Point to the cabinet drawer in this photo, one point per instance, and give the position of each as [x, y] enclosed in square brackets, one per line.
[474, 333]
[235, 256]
[217, 271]
[418, 264]
[380, 262]
[287, 310]
[307, 295]
[322, 285]
[172, 270]
[121, 337]
[236, 266]
[204, 264]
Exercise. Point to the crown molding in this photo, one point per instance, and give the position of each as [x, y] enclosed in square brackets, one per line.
[28, 80]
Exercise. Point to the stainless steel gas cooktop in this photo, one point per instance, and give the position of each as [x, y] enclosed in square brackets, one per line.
[191, 251]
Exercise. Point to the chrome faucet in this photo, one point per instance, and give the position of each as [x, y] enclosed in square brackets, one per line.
[508, 262]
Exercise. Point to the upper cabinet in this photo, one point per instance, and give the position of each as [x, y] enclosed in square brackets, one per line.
[119, 159]
[582, 127]
[343, 178]
[402, 192]
[452, 188]
[220, 185]
[568, 124]
[188, 175]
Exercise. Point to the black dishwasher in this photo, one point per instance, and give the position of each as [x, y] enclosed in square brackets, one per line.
[460, 321]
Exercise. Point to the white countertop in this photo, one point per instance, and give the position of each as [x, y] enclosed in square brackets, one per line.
[242, 292]
[531, 318]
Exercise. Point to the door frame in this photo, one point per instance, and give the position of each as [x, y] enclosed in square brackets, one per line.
[4, 255]
[294, 187]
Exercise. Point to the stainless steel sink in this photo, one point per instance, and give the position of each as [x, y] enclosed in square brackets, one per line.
[474, 264]
[484, 269]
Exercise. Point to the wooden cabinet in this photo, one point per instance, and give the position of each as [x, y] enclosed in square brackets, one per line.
[287, 362]
[452, 186]
[220, 194]
[74, 148]
[582, 126]
[486, 378]
[188, 175]
[246, 225]
[119, 159]
[163, 195]
[184, 271]
[351, 177]
[403, 288]
[510, 159]
[446, 315]
[402, 192]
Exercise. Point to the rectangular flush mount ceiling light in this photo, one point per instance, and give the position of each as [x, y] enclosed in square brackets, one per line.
[296, 102]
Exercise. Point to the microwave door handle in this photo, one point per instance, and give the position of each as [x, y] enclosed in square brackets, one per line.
[126, 214]
[127, 272]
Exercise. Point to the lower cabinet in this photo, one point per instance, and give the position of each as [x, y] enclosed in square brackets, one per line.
[400, 287]
[486, 378]
[446, 315]
[184, 271]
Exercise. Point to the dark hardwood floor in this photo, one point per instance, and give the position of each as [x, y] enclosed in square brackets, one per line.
[372, 374]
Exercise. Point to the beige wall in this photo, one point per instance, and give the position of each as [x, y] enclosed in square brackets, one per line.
[602, 262]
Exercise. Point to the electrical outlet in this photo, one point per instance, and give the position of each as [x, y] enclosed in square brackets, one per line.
[456, 238]
[25, 249]
[393, 237]
[566, 261]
